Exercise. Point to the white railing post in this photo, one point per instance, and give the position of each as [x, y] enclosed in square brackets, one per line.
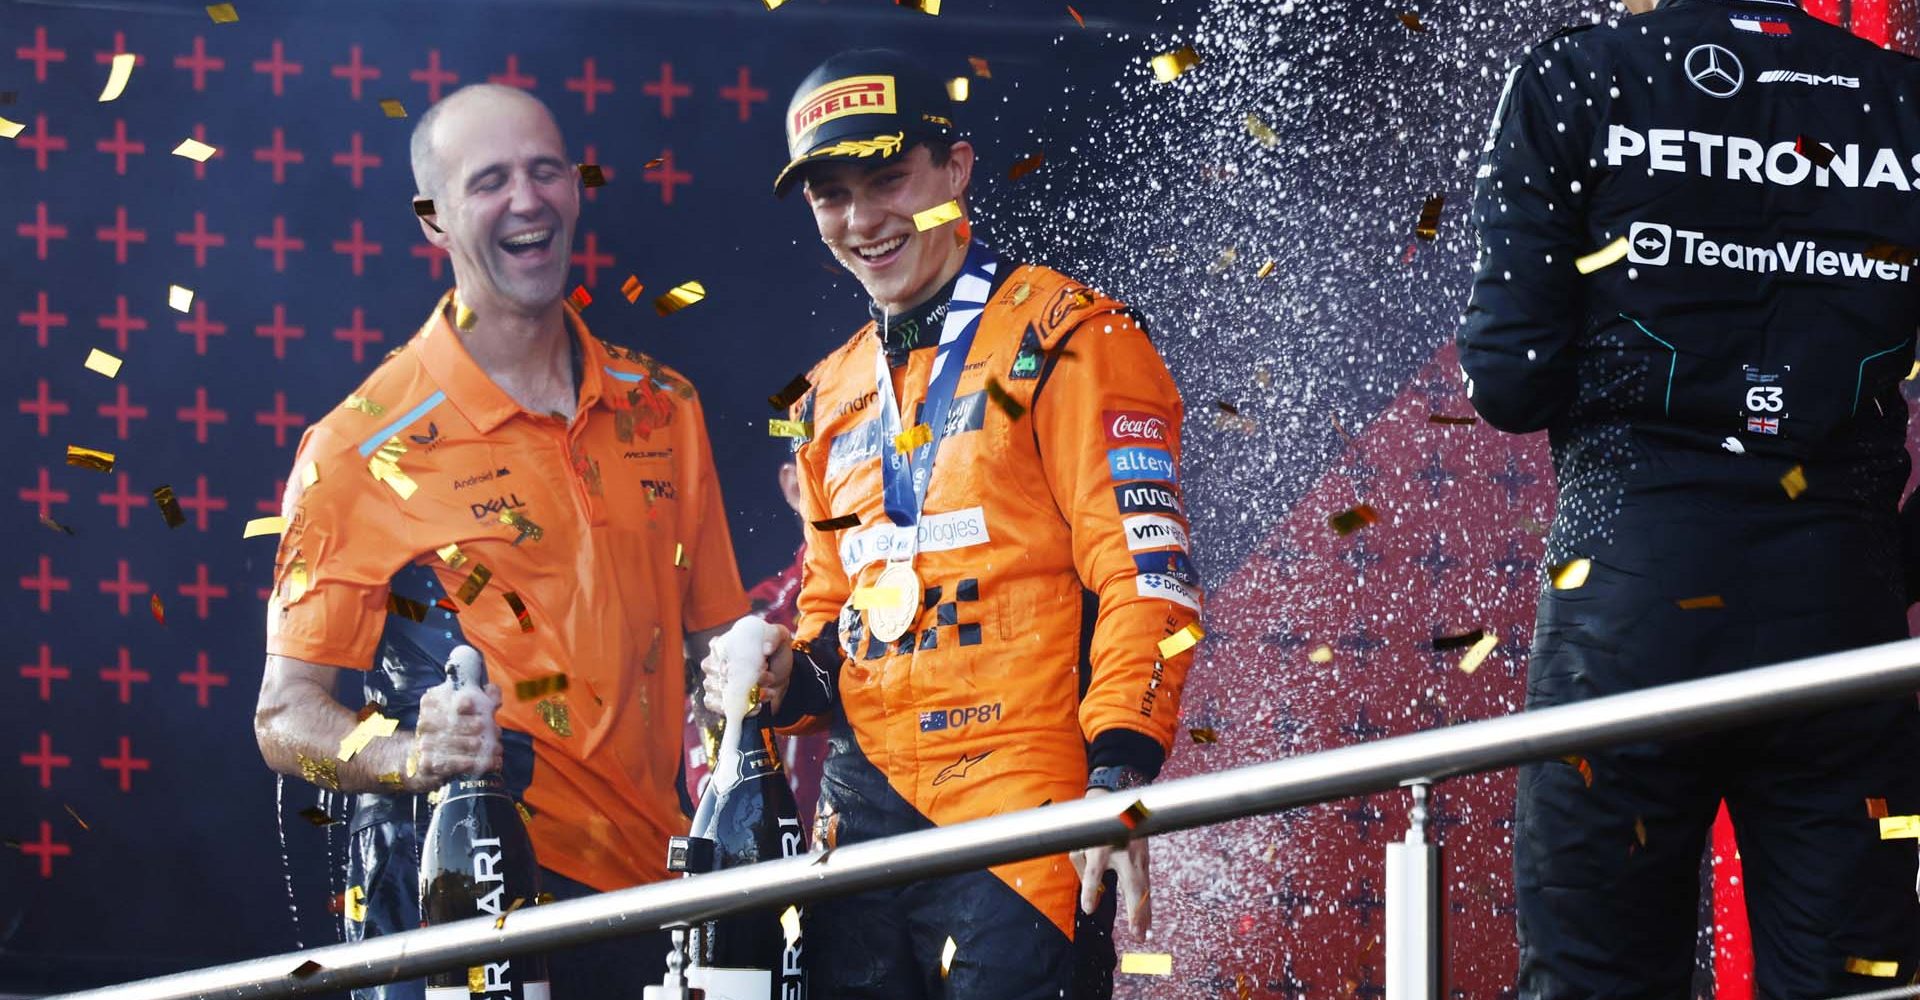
[1413, 908]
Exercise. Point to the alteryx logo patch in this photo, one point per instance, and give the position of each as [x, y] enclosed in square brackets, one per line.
[1171, 564]
[1148, 498]
[1141, 463]
[1150, 531]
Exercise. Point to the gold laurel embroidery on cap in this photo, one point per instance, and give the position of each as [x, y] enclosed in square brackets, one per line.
[885, 145]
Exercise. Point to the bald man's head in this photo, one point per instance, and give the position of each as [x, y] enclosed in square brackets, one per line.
[476, 98]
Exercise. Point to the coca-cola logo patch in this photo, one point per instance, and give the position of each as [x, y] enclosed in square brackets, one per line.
[1134, 425]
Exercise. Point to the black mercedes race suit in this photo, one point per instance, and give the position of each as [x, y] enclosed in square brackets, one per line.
[1713, 328]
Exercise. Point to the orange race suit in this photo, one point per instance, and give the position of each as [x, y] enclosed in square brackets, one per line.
[1053, 552]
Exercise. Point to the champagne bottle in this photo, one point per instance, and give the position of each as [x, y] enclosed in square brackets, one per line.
[747, 815]
[476, 862]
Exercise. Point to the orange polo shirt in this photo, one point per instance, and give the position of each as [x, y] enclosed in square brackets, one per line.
[603, 540]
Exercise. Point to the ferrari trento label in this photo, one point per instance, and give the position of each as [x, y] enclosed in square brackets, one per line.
[853, 95]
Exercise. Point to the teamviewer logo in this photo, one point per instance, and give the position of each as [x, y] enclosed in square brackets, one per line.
[1649, 243]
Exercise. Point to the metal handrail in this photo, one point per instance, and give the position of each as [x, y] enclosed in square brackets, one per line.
[1671, 710]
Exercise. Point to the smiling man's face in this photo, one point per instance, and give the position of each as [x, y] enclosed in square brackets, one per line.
[508, 201]
[865, 215]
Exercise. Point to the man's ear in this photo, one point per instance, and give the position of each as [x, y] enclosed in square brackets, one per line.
[424, 208]
[960, 167]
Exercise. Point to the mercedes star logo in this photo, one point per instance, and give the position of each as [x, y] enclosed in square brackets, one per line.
[1715, 71]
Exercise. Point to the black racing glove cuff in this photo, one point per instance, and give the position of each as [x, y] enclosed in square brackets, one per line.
[1126, 748]
[815, 684]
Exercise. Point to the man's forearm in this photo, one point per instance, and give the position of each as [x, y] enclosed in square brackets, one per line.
[300, 737]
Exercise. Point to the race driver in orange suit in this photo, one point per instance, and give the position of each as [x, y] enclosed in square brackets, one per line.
[998, 607]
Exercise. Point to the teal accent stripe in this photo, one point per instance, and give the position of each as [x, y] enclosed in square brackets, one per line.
[1672, 364]
[394, 428]
[623, 376]
[1860, 376]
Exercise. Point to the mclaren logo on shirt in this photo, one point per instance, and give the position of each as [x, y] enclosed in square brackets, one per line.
[1741, 158]
[1656, 244]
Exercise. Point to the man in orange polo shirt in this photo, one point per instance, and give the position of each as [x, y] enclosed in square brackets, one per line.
[508, 481]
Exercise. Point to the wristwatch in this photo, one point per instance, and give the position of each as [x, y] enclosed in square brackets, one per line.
[1117, 778]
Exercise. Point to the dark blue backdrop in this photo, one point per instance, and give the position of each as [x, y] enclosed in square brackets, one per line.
[143, 822]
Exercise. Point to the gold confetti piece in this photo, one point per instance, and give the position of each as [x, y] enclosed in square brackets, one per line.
[296, 584]
[1352, 519]
[1265, 270]
[364, 405]
[937, 216]
[923, 6]
[264, 526]
[1203, 734]
[1878, 970]
[391, 779]
[530, 689]
[980, 67]
[407, 608]
[452, 556]
[375, 726]
[1640, 830]
[476, 979]
[556, 716]
[958, 88]
[591, 175]
[1460, 641]
[1412, 21]
[1261, 130]
[1226, 260]
[679, 297]
[1004, 399]
[1699, 603]
[76, 817]
[1572, 574]
[1441, 418]
[522, 524]
[1181, 641]
[1227, 407]
[1025, 167]
[1580, 764]
[1137, 963]
[1168, 66]
[356, 904]
[913, 437]
[1813, 149]
[169, 506]
[790, 393]
[790, 924]
[579, 298]
[10, 129]
[1794, 482]
[650, 164]
[423, 207]
[476, 582]
[631, 288]
[102, 362]
[392, 108]
[1893, 253]
[55, 525]
[790, 428]
[222, 13]
[947, 950]
[90, 458]
[837, 523]
[1428, 226]
[317, 816]
[1915, 370]
[324, 772]
[500, 922]
[305, 969]
[1482, 648]
[1077, 19]
[877, 598]
[1321, 654]
[1607, 256]
[526, 816]
[117, 77]
[195, 150]
[179, 298]
[1876, 808]
[519, 609]
[1899, 827]
[158, 610]
[680, 555]
[385, 466]
[1134, 814]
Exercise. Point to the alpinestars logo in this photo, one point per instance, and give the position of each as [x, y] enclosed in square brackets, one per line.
[1654, 243]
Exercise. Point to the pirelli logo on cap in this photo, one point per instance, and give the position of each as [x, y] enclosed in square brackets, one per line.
[853, 95]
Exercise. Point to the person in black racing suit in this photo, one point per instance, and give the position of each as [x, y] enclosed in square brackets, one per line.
[1695, 275]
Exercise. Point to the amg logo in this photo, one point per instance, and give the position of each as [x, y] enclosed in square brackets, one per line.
[1810, 79]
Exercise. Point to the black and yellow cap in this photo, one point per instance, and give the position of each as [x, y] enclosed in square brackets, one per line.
[862, 104]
